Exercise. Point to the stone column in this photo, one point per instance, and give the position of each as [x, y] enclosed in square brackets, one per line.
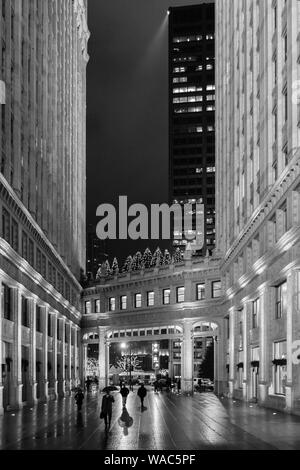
[291, 333]
[232, 341]
[187, 358]
[54, 353]
[1, 354]
[44, 320]
[263, 344]
[62, 372]
[84, 353]
[220, 358]
[103, 379]
[69, 376]
[246, 339]
[76, 361]
[171, 366]
[16, 398]
[32, 350]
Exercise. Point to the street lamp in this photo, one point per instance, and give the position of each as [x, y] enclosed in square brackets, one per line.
[124, 347]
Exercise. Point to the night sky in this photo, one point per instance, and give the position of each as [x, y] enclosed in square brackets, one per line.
[127, 107]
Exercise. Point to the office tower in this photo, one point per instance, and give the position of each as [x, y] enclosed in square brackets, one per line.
[258, 196]
[43, 59]
[192, 112]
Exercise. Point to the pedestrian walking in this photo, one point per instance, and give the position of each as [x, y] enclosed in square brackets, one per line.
[106, 409]
[155, 386]
[142, 392]
[79, 397]
[178, 385]
[124, 392]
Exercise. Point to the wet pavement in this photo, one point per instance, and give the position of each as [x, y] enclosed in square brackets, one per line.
[168, 422]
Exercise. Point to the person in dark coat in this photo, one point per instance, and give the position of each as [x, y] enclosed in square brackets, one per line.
[106, 408]
[79, 397]
[124, 392]
[155, 386]
[142, 392]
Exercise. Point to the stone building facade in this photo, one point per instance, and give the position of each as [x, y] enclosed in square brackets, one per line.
[43, 59]
[258, 196]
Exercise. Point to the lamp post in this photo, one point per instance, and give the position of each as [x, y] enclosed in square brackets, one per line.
[124, 347]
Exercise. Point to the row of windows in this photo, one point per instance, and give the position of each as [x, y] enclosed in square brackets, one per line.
[192, 38]
[193, 109]
[193, 89]
[8, 314]
[216, 292]
[10, 233]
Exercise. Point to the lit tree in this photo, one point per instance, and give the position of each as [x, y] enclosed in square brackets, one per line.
[178, 256]
[157, 258]
[106, 269]
[92, 366]
[98, 275]
[137, 262]
[115, 267]
[127, 264]
[167, 258]
[125, 361]
[147, 258]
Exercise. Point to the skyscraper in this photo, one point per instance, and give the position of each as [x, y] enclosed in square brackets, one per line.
[192, 111]
[43, 59]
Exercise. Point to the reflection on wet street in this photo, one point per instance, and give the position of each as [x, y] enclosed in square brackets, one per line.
[168, 421]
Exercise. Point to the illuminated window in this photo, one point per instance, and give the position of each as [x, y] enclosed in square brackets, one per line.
[138, 300]
[179, 69]
[209, 66]
[150, 299]
[210, 97]
[88, 307]
[210, 128]
[97, 305]
[279, 367]
[210, 87]
[209, 36]
[180, 80]
[281, 300]
[112, 304]
[199, 68]
[123, 302]
[200, 291]
[180, 294]
[211, 169]
[210, 108]
[216, 289]
[166, 296]
[255, 313]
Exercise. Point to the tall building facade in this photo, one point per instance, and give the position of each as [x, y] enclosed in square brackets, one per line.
[192, 112]
[43, 59]
[258, 197]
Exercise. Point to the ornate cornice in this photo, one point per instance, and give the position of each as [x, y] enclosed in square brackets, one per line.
[289, 177]
[82, 26]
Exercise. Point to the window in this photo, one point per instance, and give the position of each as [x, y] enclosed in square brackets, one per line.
[31, 252]
[180, 294]
[216, 289]
[150, 299]
[123, 302]
[166, 296]
[24, 312]
[49, 325]
[279, 367]
[281, 300]
[6, 305]
[88, 307]
[255, 313]
[14, 235]
[97, 305]
[200, 291]
[5, 225]
[138, 300]
[24, 245]
[38, 319]
[112, 304]
[38, 260]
